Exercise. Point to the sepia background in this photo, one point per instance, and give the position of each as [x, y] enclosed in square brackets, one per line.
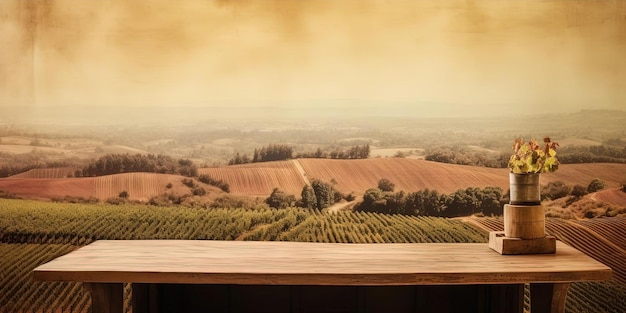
[396, 58]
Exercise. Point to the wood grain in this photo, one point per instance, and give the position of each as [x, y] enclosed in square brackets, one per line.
[297, 263]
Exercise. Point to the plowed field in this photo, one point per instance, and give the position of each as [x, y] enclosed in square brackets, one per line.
[356, 176]
[259, 179]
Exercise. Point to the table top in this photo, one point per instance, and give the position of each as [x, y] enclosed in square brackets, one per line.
[299, 263]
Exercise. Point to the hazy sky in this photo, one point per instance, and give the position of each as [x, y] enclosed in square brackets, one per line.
[435, 58]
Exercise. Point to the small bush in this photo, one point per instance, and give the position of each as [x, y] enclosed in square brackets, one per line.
[386, 185]
[9, 195]
[214, 182]
[350, 197]
[579, 191]
[115, 201]
[70, 199]
[199, 191]
[554, 190]
[189, 182]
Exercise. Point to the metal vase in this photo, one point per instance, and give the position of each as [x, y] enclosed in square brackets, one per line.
[524, 189]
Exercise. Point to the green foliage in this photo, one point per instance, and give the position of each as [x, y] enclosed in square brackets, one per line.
[33, 233]
[464, 155]
[596, 185]
[530, 157]
[308, 199]
[605, 153]
[324, 193]
[207, 179]
[199, 191]
[386, 185]
[239, 159]
[578, 191]
[279, 200]
[273, 152]
[355, 152]
[554, 190]
[125, 163]
[462, 202]
[189, 182]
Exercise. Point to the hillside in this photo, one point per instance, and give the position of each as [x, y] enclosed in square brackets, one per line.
[350, 176]
[407, 174]
[139, 186]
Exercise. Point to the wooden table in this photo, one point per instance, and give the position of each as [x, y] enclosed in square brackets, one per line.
[246, 276]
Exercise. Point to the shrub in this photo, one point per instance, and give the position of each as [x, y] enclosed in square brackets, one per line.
[386, 185]
[204, 178]
[189, 182]
[199, 191]
[279, 200]
[596, 185]
[579, 191]
[554, 190]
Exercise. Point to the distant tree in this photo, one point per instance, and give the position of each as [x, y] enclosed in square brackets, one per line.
[199, 191]
[279, 200]
[579, 191]
[189, 182]
[308, 199]
[400, 154]
[386, 185]
[125, 163]
[239, 159]
[554, 190]
[324, 193]
[595, 185]
[221, 184]
[373, 201]
[272, 153]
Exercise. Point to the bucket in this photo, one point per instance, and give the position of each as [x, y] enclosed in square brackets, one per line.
[524, 189]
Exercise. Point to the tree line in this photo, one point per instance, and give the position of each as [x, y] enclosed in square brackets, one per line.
[125, 163]
[319, 195]
[383, 199]
[488, 201]
[278, 152]
[462, 155]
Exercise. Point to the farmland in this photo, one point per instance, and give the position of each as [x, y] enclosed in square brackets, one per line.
[349, 176]
[35, 232]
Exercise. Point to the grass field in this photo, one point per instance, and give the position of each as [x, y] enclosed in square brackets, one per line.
[34, 232]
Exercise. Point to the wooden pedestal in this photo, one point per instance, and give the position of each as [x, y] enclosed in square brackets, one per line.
[524, 232]
[508, 245]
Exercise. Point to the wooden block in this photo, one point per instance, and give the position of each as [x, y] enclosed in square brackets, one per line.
[524, 221]
[506, 245]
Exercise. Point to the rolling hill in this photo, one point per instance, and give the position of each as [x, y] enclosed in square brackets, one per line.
[139, 186]
[259, 179]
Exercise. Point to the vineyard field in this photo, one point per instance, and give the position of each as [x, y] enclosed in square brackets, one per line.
[34, 232]
[601, 240]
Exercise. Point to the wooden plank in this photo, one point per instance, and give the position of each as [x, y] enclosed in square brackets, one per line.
[297, 263]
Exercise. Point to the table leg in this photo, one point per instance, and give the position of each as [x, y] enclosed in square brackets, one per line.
[548, 297]
[106, 297]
